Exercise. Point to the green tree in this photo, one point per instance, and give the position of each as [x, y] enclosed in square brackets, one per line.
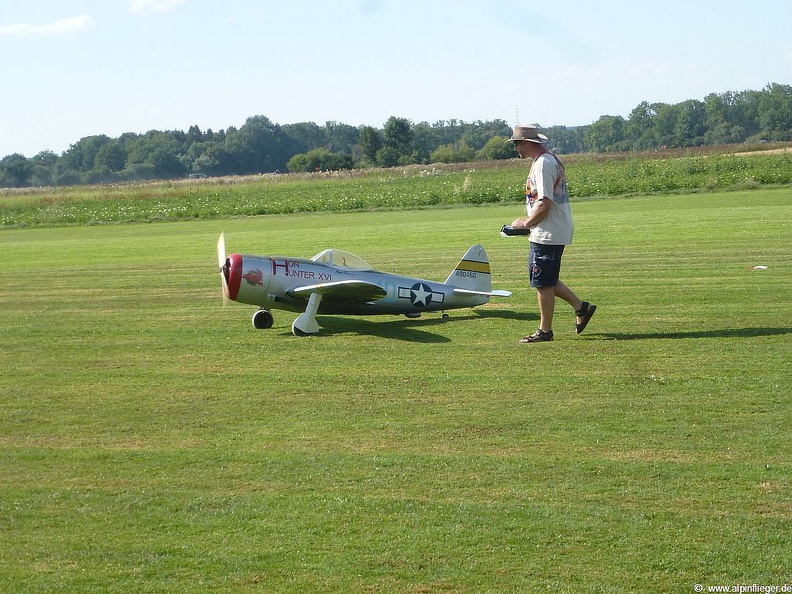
[459, 152]
[447, 131]
[745, 113]
[167, 164]
[775, 112]
[388, 157]
[399, 136]
[719, 125]
[606, 134]
[497, 147]
[691, 123]
[43, 168]
[424, 141]
[215, 160]
[371, 141]
[111, 157]
[320, 160]
[665, 124]
[81, 155]
[155, 154]
[640, 128]
[258, 147]
[15, 171]
[299, 163]
[567, 140]
[477, 134]
[305, 136]
[341, 138]
[194, 134]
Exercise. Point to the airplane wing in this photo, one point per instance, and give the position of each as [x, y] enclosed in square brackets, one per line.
[354, 291]
[487, 293]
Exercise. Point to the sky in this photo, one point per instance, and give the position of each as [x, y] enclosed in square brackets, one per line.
[76, 68]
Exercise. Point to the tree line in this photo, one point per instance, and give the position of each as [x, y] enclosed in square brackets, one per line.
[261, 146]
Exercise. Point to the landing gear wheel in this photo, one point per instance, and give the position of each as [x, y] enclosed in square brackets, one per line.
[297, 332]
[262, 319]
[445, 316]
[305, 324]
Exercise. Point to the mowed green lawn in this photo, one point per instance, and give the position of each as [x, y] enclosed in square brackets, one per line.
[152, 441]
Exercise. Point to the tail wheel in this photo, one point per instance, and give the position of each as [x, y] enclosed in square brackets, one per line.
[262, 319]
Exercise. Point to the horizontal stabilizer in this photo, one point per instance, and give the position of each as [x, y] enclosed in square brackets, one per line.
[348, 290]
[487, 293]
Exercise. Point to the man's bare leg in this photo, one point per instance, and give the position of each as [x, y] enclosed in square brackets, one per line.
[561, 290]
[546, 297]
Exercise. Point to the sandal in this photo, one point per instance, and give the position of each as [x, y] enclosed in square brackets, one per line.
[538, 336]
[586, 311]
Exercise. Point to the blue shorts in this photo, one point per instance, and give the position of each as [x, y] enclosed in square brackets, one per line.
[544, 264]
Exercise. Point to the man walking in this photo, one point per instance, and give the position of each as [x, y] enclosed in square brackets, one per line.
[550, 222]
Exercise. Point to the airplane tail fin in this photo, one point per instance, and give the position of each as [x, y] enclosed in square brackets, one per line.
[473, 275]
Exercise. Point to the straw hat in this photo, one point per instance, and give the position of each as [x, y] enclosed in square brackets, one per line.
[529, 133]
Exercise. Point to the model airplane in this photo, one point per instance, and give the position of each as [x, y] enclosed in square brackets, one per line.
[337, 282]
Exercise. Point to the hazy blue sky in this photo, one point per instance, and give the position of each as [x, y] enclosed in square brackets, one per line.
[74, 68]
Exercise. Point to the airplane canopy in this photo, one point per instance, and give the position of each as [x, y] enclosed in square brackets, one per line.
[343, 259]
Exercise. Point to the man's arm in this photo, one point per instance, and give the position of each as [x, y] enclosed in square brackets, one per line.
[539, 212]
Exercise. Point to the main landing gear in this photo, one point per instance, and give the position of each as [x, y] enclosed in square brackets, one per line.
[262, 319]
[304, 325]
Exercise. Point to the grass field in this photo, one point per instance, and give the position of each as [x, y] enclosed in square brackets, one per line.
[152, 441]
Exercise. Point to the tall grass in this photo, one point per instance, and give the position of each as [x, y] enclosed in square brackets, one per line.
[411, 187]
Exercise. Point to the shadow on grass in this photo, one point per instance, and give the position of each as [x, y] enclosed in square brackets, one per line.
[406, 329]
[719, 333]
[401, 329]
[507, 314]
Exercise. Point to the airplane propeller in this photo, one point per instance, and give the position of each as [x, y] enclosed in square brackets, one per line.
[221, 262]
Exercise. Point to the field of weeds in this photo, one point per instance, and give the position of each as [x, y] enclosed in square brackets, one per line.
[417, 186]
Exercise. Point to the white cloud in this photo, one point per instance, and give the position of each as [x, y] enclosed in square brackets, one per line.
[69, 26]
[153, 5]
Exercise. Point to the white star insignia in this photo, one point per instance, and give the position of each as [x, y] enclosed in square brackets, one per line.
[421, 296]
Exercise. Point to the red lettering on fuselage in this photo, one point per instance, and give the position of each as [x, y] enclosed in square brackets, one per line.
[291, 268]
[280, 264]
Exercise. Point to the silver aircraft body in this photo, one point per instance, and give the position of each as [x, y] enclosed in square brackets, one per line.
[338, 282]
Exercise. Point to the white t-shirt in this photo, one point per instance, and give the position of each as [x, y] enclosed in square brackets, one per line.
[548, 179]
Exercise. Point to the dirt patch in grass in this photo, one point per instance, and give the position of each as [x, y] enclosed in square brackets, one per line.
[775, 151]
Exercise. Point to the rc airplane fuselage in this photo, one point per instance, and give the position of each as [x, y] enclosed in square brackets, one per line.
[338, 282]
